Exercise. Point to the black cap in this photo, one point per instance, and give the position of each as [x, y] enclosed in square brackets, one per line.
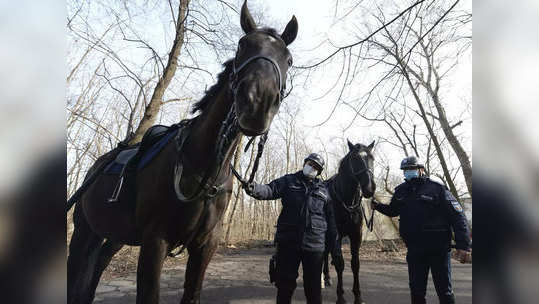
[317, 159]
[411, 162]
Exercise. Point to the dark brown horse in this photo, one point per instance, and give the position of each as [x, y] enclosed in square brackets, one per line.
[180, 197]
[353, 181]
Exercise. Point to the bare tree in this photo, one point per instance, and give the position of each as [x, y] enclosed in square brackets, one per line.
[152, 108]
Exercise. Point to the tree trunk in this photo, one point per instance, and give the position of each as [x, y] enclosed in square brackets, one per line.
[153, 107]
[435, 141]
[454, 142]
[442, 117]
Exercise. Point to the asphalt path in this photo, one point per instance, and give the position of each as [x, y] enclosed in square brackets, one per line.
[242, 277]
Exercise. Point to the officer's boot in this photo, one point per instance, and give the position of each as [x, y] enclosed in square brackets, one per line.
[418, 299]
[447, 299]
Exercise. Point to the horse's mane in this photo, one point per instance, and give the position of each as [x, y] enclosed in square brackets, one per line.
[209, 97]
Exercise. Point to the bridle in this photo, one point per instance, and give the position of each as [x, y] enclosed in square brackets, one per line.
[237, 69]
[356, 175]
[227, 132]
[357, 198]
[229, 128]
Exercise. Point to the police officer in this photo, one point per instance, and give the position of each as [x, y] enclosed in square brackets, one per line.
[305, 225]
[427, 212]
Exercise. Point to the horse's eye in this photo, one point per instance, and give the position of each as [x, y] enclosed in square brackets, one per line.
[290, 61]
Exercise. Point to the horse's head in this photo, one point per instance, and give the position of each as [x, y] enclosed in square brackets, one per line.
[358, 165]
[259, 73]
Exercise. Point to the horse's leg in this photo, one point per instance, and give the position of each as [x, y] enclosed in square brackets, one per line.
[327, 278]
[199, 258]
[338, 262]
[355, 242]
[108, 250]
[150, 262]
[83, 255]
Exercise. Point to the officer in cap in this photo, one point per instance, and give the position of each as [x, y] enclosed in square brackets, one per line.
[428, 213]
[305, 227]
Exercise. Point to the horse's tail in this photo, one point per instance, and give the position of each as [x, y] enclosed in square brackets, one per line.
[74, 198]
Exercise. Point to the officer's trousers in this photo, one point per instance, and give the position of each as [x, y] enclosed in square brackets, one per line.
[288, 260]
[439, 262]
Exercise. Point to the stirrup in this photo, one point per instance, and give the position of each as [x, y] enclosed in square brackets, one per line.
[116, 192]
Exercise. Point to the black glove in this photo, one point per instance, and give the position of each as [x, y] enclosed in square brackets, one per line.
[249, 188]
[374, 204]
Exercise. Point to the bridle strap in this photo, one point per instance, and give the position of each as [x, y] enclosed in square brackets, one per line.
[234, 87]
[237, 70]
[356, 174]
[357, 201]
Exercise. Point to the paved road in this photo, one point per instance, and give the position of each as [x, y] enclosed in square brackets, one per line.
[242, 278]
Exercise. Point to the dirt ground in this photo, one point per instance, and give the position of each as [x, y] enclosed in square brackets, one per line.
[239, 275]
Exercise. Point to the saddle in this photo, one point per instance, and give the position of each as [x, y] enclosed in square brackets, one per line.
[135, 157]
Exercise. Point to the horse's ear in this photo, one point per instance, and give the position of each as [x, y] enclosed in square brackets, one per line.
[291, 31]
[371, 146]
[350, 145]
[247, 22]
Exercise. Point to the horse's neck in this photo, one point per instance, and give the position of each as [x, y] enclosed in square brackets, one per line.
[202, 142]
[345, 185]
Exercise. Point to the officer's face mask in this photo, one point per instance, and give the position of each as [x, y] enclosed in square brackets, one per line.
[409, 174]
[309, 171]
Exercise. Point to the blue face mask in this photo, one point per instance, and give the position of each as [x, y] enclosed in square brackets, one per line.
[409, 174]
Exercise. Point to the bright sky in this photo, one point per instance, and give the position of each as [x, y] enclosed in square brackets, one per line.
[316, 23]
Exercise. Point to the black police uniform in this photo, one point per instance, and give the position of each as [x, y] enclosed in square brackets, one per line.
[305, 227]
[427, 212]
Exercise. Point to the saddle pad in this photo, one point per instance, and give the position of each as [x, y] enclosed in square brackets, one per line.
[116, 166]
[156, 148]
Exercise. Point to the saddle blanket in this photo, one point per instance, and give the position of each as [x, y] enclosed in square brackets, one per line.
[117, 165]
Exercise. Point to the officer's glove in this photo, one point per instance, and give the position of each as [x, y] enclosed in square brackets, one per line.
[249, 188]
[464, 256]
[374, 204]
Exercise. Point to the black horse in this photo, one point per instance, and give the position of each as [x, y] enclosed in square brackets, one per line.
[181, 196]
[353, 181]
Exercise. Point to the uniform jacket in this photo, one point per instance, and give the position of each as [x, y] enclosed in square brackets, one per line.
[307, 219]
[428, 212]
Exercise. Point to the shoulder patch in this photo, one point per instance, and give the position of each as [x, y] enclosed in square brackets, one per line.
[450, 198]
[456, 206]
